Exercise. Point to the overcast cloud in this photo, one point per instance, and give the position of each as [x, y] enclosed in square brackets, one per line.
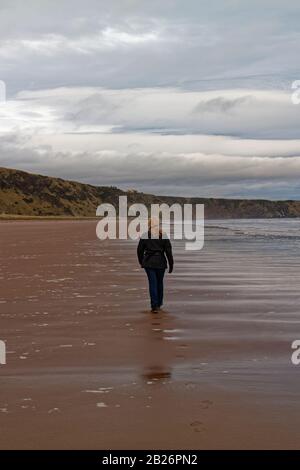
[172, 97]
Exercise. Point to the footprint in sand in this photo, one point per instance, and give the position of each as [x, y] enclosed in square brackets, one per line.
[190, 386]
[197, 426]
[204, 404]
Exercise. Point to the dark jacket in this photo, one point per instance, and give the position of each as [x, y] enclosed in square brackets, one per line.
[154, 253]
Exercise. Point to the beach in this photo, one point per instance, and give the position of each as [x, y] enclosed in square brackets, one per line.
[90, 367]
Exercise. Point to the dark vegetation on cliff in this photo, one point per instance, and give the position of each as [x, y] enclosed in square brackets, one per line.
[27, 194]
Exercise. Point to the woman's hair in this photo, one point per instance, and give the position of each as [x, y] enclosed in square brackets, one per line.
[154, 226]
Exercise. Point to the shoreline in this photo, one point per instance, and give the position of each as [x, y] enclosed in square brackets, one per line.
[12, 217]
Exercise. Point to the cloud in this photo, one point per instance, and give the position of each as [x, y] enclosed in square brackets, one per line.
[252, 114]
[221, 104]
[135, 44]
[55, 45]
[167, 96]
[154, 140]
[197, 174]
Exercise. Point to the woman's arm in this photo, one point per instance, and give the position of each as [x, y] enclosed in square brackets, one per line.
[140, 251]
[169, 254]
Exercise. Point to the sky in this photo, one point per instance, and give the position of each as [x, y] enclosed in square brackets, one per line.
[190, 98]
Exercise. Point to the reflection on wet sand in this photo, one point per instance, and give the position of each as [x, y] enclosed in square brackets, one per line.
[156, 373]
[158, 355]
[159, 369]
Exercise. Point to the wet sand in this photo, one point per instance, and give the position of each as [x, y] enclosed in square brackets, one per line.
[88, 366]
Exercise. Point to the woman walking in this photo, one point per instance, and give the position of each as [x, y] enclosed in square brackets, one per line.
[153, 252]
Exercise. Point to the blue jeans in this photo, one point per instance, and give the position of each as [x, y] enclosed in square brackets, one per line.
[156, 285]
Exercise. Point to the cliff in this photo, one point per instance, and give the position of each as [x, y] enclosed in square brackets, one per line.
[27, 194]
